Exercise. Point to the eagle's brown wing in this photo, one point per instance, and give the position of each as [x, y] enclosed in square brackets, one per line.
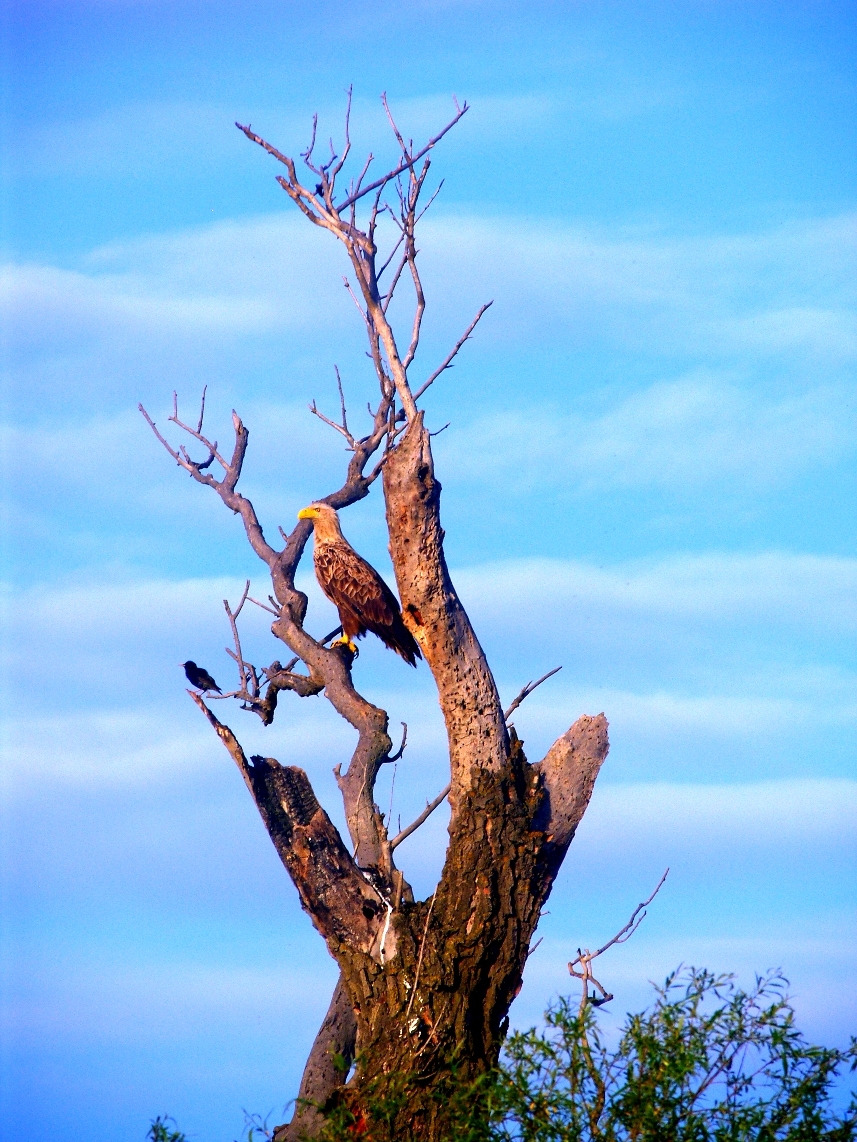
[363, 599]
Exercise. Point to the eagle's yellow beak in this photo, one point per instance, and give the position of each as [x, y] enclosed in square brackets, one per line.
[308, 513]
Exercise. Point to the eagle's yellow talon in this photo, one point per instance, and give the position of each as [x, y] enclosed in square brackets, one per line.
[347, 643]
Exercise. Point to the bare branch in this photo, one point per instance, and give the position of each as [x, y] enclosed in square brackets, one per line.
[347, 148]
[332, 423]
[392, 254]
[248, 674]
[568, 772]
[307, 154]
[369, 160]
[633, 924]
[420, 306]
[175, 455]
[388, 296]
[341, 399]
[423, 817]
[585, 958]
[402, 166]
[530, 686]
[202, 408]
[264, 606]
[360, 309]
[396, 131]
[316, 211]
[446, 364]
[237, 611]
[533, 947]
[437, 191]
[397, 755]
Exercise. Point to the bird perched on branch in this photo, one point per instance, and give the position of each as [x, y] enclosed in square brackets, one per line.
[363, 599]
[199, 677]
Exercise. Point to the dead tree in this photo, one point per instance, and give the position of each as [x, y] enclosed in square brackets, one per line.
[425, 986]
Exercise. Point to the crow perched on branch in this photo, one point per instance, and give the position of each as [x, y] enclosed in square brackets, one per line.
[199, 677]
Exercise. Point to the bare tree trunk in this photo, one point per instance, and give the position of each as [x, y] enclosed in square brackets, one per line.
[425, 986]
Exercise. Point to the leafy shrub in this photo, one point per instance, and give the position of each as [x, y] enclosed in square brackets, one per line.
[708, 1062]
[159, 1131]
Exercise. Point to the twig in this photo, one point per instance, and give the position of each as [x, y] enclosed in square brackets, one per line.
[264, 606]
[343, 431]
[406, 163]
[446, 364]
[397, 755]
[246, 671]
[392, 790]
[202, 409]
[535, 945]
[341, 399]
[585, 958]
[528, 689]
[424, 816]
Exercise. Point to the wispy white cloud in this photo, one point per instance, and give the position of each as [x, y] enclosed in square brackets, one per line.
[793, 590]
[131, 140]
[752, 815]
[738, 307]
[775, 292]
[101, 749]
[224, 280]
[152, 1002]
[778, 292]
[680, 435]
[722, 717]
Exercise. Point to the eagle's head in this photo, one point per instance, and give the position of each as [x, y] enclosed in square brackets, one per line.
[324, 520]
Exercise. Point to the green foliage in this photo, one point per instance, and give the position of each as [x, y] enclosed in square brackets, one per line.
[467, 1106]
[708, 1062]
[159, 1131]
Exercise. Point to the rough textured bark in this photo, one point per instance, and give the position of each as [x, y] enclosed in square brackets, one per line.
[432, 610]
[425, 986]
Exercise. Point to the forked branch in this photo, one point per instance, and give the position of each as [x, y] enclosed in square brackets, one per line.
[584, 958]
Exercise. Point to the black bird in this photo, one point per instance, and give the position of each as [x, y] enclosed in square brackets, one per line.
[199, 677]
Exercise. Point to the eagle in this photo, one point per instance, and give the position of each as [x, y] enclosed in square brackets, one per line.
[363, 599]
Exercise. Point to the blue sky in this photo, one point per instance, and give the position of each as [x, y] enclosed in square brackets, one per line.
[649, 477]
